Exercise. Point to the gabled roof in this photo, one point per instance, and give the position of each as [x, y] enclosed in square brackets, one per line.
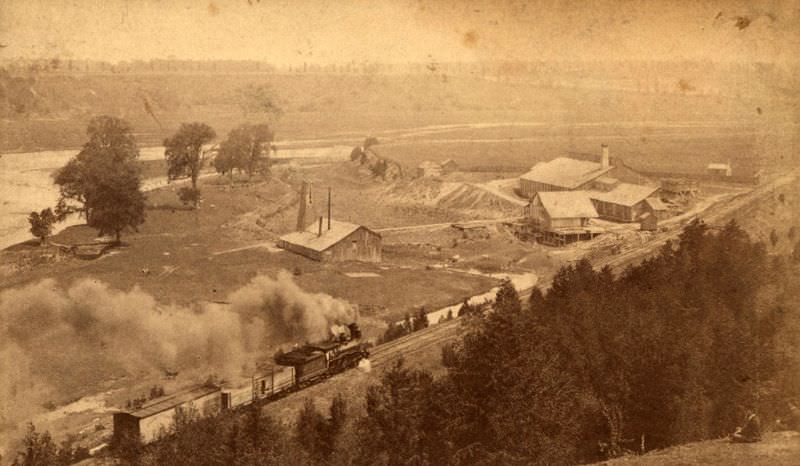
[168, 402]
[656, 204]
[565, 172]
[311, 240]
[428, 165]
[567, 204]
[626, 194]
[607, 180]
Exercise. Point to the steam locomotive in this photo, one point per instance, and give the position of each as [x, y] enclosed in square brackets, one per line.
[300, 367]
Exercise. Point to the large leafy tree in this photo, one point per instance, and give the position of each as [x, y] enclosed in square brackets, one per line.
[184, 152]
[103, 181]
[247, 148]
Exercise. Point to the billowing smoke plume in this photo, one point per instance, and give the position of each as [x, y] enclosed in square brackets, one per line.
[291, 313]
[55, 340]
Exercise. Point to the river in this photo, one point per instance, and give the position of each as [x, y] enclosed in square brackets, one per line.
[26, 183]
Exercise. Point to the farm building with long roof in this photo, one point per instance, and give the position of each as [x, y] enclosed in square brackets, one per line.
[336, 241]
[333, 240]
[564, 174]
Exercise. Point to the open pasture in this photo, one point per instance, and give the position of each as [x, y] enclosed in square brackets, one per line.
[660, 148]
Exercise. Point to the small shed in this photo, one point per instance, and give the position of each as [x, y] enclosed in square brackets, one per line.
[336, 241]
[657, 207]
[428, 169]
[719, 170]
[472, 231]
[648, 222]
[449, 166]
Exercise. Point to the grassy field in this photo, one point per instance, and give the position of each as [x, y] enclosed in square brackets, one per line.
[652, 148]
[179, 249]
[779, 213]
[777, 449]
[316, 105]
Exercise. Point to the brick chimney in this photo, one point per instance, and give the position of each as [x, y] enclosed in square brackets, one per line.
[604, 159]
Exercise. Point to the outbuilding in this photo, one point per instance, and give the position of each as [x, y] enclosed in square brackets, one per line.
[449, 166]
[428, 169]
[336, 241]
[625, 203]
[719, 170]
[648, 222]
[657, 207]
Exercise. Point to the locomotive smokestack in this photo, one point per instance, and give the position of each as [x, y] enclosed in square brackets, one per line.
[329, 207]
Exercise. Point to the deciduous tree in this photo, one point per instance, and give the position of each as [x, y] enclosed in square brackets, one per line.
[184, 152]
[247, 148]
[42, 224]
[102, 182]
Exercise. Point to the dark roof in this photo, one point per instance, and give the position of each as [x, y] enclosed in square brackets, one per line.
[298, 356]
[325, 346]
[170, 401]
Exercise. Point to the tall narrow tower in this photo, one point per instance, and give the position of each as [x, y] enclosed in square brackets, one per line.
[304, 205]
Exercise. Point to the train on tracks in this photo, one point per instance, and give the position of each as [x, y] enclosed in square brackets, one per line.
[298, 368]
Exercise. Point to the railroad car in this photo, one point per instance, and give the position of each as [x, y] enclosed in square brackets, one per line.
[298, 368]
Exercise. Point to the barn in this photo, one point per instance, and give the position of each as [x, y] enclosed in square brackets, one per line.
[339, 241]
[625, 203]
[561, 217]
[560, 174]
[148, 422]
[564, 174]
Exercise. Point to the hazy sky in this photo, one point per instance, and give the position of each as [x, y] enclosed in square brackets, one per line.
[325, 31]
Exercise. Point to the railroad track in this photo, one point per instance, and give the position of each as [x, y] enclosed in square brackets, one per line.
[713, 214]
[414, 342]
